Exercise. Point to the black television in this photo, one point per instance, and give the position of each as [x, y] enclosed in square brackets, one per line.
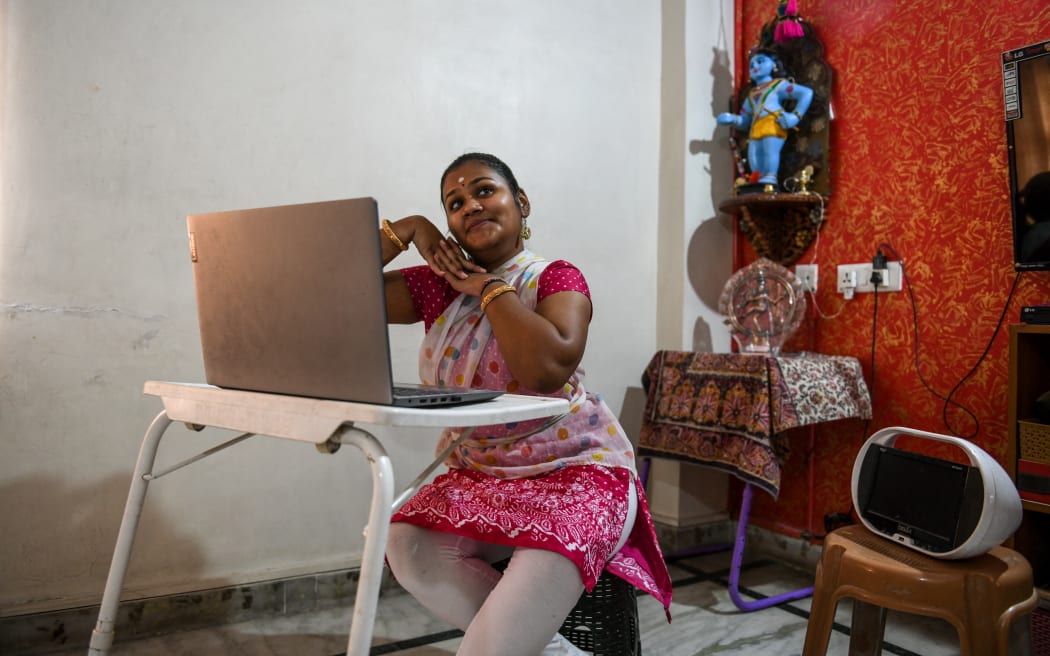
[925, 500]
[1026, 93]
[941, 508]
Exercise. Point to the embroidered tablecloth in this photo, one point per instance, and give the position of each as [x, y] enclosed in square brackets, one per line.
[730, 410]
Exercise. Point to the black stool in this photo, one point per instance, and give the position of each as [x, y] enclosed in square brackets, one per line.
[605, 620]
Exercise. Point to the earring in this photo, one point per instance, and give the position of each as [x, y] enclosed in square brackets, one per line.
[526, 231]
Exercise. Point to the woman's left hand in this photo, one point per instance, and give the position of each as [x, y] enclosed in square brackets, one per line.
[448, 260]
[473, 284]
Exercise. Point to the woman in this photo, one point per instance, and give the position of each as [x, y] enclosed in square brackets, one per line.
[560, 498]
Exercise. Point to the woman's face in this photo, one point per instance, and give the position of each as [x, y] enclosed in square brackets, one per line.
[484, 215]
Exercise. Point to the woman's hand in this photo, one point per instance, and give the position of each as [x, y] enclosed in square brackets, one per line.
[443, 254]
[422, 233]
[474, 284]
[450, 261]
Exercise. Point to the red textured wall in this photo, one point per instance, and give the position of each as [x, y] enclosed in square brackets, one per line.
[918, 161]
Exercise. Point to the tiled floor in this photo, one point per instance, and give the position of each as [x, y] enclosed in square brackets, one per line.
[705, 621]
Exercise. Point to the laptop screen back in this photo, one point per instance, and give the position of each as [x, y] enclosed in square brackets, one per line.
[290, 300]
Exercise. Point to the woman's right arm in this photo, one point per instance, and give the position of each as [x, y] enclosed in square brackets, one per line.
[402, 233]
[399, 307]
[417, 230]
[394, 238]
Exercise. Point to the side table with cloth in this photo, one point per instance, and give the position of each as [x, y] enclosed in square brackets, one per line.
[729, 411]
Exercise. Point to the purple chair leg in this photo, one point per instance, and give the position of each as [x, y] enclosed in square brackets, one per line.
[738, 553]
[738, 557]
[643, 475]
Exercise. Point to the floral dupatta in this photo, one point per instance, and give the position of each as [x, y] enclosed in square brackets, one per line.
[457, 342]
[459, 350]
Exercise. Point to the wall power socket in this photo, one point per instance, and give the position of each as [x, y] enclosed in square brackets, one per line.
[857, 278]
[807, 275]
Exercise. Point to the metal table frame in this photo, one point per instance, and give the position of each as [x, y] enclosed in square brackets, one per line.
[822, 410]
[738, 546]
[327, 425]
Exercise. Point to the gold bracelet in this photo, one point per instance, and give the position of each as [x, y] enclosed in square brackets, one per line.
[389, 232]
[502, 289]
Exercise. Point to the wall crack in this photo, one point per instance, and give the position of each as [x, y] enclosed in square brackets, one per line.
[13, 309]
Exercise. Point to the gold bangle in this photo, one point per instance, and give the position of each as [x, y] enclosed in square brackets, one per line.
[491, 296]
[389, 232]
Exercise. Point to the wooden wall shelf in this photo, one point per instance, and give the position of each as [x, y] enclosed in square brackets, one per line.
[779, 226]
[1029, 377]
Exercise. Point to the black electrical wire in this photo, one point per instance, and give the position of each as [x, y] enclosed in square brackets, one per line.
[944, 408]
[918, 370]
[832, 519]
[874, 332]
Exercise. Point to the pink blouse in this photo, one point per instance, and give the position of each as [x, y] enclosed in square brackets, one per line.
[431, 293]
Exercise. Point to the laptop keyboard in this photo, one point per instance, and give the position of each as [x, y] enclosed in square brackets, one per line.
[408, 394]
[419, 391]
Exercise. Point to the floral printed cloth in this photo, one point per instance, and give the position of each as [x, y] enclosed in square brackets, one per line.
[729, 410]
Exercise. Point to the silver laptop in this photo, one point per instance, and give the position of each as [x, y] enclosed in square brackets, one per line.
[290, 301]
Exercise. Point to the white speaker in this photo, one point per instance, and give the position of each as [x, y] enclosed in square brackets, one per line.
[942, 508]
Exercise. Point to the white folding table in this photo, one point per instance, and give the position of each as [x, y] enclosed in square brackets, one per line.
[327, 425]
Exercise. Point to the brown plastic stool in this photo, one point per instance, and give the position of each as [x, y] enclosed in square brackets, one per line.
[982, 597]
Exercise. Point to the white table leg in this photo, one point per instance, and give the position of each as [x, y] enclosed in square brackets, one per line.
[371, 575]
[102, 636]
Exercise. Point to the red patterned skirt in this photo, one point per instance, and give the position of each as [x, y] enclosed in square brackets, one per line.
[576, 511]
